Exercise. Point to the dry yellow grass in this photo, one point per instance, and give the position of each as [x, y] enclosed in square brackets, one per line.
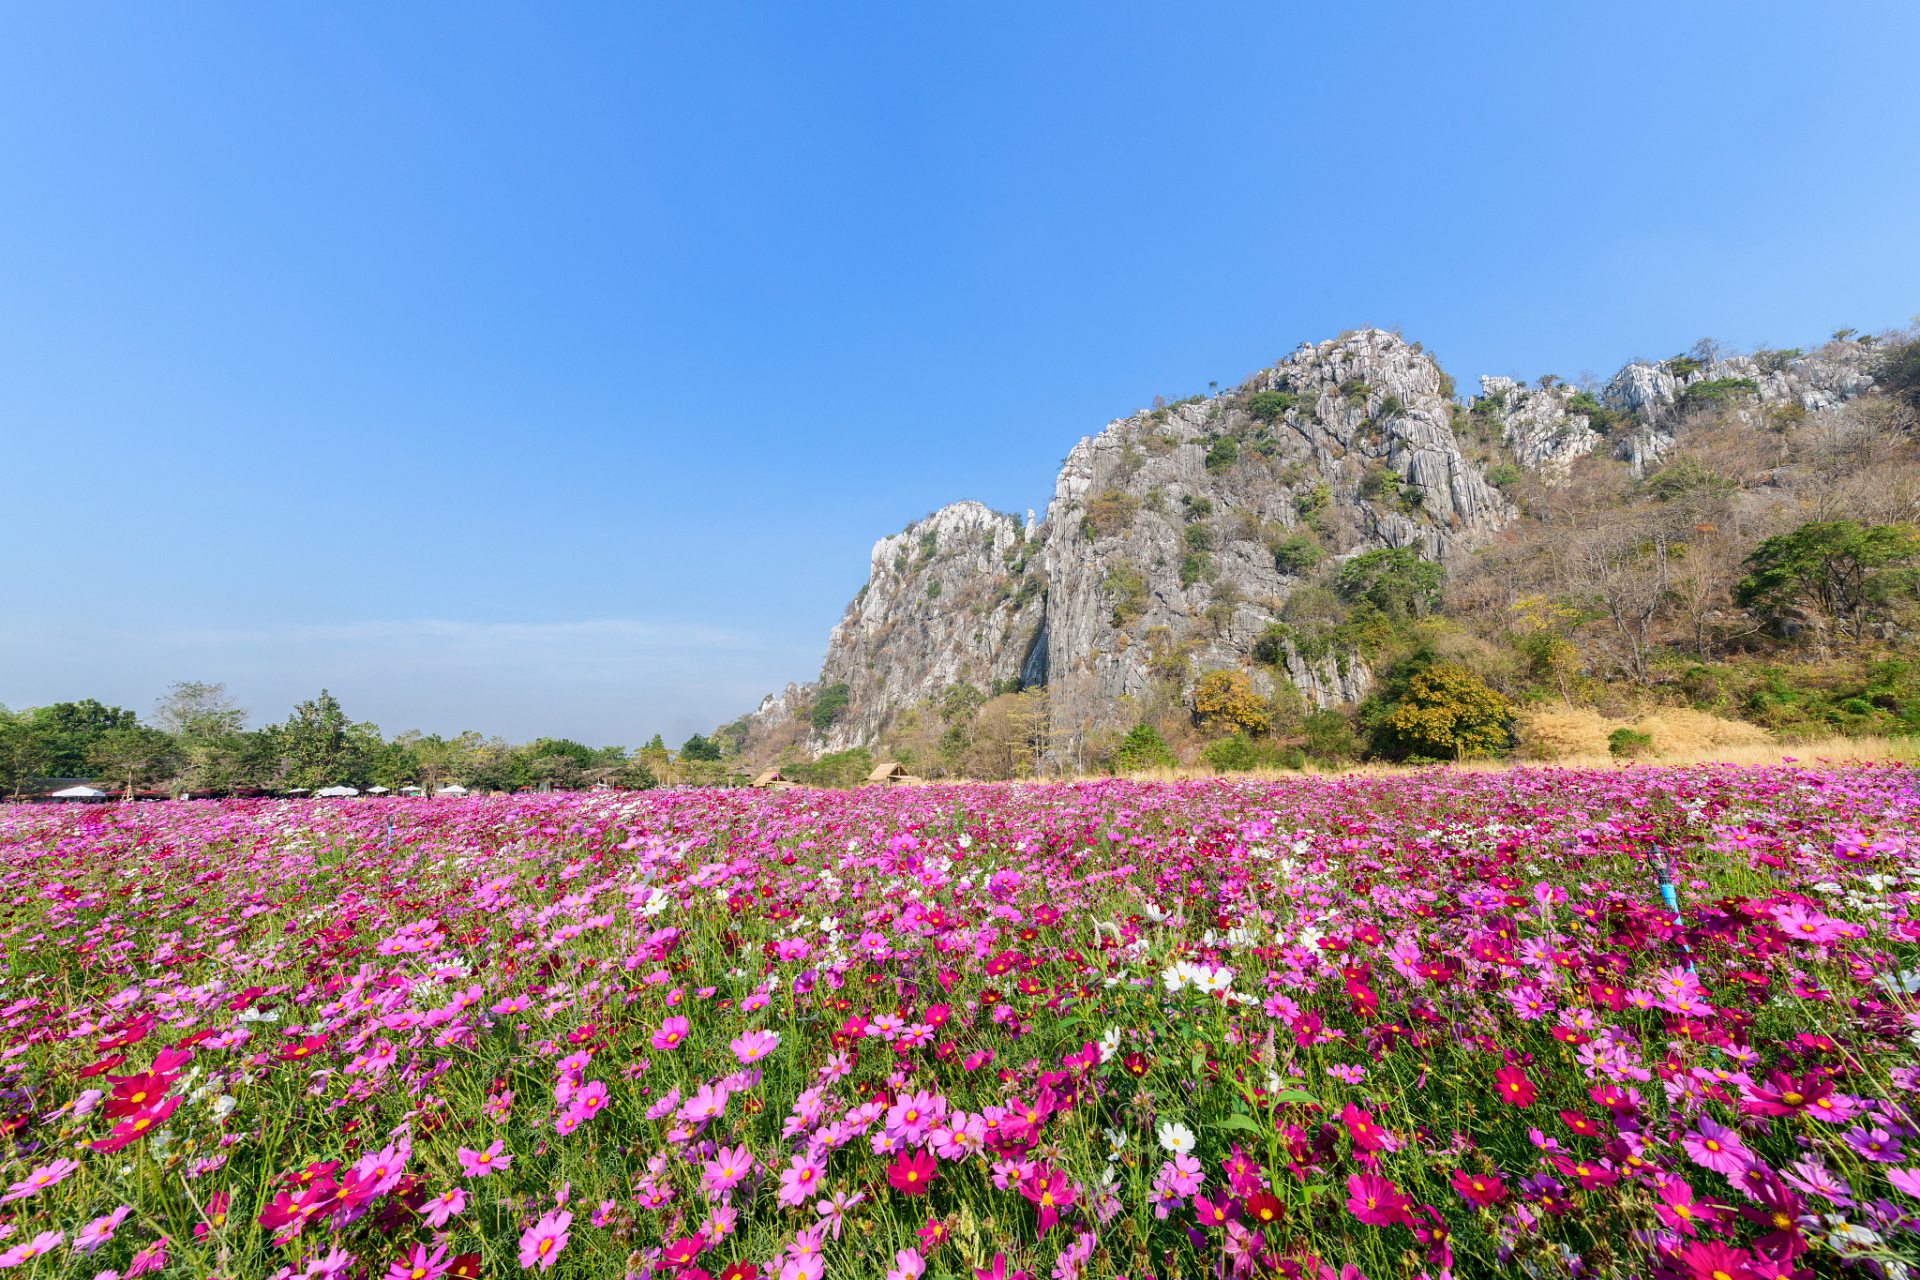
[1825, 751]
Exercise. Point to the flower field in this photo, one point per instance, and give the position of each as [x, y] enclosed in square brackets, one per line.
[1434, 1022]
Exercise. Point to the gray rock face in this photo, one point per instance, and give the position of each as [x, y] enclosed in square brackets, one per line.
[956, 598]
[1537, 427]
[1157, 554]
[1545, 436]
[1175, 539]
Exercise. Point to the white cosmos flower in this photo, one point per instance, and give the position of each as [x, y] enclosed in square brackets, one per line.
[1109, 1044]
[1175, 1139]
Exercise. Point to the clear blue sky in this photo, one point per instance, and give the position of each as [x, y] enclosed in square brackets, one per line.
[551, 368]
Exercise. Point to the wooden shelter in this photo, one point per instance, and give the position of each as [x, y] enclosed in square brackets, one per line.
[774, 780]
[892, 774]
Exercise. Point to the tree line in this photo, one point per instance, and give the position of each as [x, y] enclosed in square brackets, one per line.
[196, 741]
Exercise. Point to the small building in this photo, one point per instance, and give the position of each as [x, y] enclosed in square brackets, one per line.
[892, 774]
[774, 780]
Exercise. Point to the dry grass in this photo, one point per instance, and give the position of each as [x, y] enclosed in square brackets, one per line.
[1825, 751]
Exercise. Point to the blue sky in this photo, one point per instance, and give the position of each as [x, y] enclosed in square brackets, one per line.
[551, 369]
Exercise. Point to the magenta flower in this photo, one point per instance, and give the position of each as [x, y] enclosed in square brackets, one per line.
[448, 1204]
[478, 1164]
[417, 1264]
[1050, 1193]
[1376, 1201]
[1874, 1144]
[542, 1243]
[44, 1176]
[28, 1249]
[754, 1045]
[728, 1168]
[798, 1180]
[709, 1102]
[1716, 1147]
[671, 1033]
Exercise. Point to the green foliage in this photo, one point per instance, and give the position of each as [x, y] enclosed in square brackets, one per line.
[1237, 753]
[1502, 476]
[1196, 508]
[933, 589]
[1381, 484]
[1898, 372]
[1310, 504]
[1356, 392]
[1223, 455]
[1599, 417]
[828, 705]
[1717, 392]
[1389, 407]
[1683, 364]
[1628, 742]
[1197, 566]
[1842, 566]
[699, 748]
[1298, 553]
[1199, 537]
[1447, 712]
[1395, 581]
[1330, 736]
[1128, 585]
[1776, 361]
[1686, 475]
[1142, 748]
[1269, 406]
[837, 769]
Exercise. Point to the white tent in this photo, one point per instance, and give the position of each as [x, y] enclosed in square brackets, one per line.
[337, 791]
[79, 793]
[455, 790]
[377, 791]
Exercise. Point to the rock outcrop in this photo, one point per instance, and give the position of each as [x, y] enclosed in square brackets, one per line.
[1190, 538]
[1174, 540]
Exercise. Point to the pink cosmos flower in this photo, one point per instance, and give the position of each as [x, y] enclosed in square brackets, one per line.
[671, 1033]
[478, 1164]
[798, 1181]
[448, 1204]
[1376, 1201]
[44, 1176]
[1716, 1147]
[26, 1249]
[1679, 1208]
[709, 1102]
[1050, 1192]
[907, 1265]
[101, 1229]
[417, 1264]
[727, 1169]
[542, 1243]
[754, 1045]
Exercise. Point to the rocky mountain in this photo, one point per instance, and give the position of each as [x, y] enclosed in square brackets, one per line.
[1177, 537]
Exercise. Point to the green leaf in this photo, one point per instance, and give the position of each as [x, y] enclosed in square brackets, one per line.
[1238, 1121]
[1199, 1065]
[1294, 1095]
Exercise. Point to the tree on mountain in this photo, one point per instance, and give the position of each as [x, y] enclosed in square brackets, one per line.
[1395, 581]
[1842, 566]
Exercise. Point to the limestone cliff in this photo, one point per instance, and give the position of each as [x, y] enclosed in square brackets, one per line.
[1177, 538]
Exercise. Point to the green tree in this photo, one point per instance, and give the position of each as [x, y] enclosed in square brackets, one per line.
[1841, 565]
[827, 706]
[133, 754]
[190, 709]
[322, 748]
[68, 732]
[1142, 748]
[1396, 581]
[698, 748]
